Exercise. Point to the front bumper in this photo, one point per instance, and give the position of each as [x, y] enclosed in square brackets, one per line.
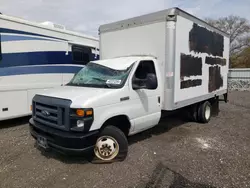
[62, 141]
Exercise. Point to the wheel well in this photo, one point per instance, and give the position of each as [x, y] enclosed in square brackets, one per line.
[122, 122]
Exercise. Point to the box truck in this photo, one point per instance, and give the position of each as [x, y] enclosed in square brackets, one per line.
[148, 65]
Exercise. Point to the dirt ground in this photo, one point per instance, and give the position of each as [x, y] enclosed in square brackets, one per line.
[173, 154]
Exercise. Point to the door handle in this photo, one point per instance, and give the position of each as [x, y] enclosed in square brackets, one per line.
[159, 99]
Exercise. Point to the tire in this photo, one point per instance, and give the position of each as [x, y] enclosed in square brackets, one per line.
[192, 113]
[204, 112]
[111, 146]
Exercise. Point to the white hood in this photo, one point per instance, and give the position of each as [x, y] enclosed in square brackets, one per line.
[84, 97]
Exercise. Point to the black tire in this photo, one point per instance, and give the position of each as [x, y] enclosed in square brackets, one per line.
[192, 113]
[120, 138]
[202, 112]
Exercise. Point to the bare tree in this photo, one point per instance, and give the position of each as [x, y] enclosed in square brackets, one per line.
[238, 28]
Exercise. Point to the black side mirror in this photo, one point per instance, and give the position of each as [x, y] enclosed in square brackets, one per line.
[151, 82]
[139, 83]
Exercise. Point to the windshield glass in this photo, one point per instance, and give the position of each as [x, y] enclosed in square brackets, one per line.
[95, 75]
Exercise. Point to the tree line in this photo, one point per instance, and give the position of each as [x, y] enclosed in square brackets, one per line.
[239, 30]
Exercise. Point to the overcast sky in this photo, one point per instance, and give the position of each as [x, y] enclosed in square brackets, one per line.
[86, 15]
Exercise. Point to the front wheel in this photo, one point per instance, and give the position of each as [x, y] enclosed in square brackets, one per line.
[111, 145]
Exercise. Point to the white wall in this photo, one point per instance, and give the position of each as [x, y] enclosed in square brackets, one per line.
[183, 28]
[143, 40]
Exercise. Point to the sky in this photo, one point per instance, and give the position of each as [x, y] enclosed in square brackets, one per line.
[86, 16]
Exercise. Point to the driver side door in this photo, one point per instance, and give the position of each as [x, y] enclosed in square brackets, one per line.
[145, 107]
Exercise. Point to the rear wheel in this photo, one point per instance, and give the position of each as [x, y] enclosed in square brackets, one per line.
[112, 145]
[192, 113]
[204, 112]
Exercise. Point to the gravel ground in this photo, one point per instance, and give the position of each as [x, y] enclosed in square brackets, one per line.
[174, 154]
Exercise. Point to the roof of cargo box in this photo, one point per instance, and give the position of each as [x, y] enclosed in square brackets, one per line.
[162, 15]
[122, 63]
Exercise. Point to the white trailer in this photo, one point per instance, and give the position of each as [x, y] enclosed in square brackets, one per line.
[37, 56]
[149, 65]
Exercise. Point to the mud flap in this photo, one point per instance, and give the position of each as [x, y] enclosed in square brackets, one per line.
[215, 107]
[225, 95]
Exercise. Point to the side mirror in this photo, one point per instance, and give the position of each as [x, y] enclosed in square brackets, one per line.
[151, 82]
[139, 84]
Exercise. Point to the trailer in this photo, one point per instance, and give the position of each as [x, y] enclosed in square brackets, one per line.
[37, 56]
[150, 64]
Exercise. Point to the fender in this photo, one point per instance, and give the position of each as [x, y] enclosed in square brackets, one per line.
[102, 114]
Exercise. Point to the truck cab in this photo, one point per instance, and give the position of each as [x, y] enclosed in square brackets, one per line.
[105, 102]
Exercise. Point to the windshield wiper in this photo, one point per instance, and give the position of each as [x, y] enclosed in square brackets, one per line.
[71, 84]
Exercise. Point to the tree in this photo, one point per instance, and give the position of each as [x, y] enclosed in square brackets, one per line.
[241, 60]
[239, 30]
[237, 27]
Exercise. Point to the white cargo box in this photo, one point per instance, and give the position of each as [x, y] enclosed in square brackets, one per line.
[193, 55]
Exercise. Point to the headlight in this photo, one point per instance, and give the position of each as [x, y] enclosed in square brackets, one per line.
[83, 112]
[80, 123]
[81, 119]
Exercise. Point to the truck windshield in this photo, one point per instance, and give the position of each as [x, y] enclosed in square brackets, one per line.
[95, 75]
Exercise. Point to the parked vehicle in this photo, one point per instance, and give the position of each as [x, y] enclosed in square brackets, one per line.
[34, 57]
[148, 65]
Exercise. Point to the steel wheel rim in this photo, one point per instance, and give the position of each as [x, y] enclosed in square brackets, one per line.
[207, 112]
[106, 148]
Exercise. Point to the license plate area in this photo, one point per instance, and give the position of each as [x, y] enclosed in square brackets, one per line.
[42, 142]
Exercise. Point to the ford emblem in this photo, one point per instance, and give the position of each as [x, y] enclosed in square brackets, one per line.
[45, 113]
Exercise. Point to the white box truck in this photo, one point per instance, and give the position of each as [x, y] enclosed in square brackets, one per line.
[149, 65]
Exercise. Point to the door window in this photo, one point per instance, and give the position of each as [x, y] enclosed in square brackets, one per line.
[144, 68]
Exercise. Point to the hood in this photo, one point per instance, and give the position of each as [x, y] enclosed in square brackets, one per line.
[84, 97]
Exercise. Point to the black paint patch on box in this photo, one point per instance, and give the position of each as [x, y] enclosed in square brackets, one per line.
[202, 40]
[190, 65]
[215, 61]
[215, 79]
[191, 83]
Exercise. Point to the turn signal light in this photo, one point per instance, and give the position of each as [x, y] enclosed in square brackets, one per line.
[89, 113]
[80, 112]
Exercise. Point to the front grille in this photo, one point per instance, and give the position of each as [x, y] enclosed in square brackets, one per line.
[50, 115]
[51, 112]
